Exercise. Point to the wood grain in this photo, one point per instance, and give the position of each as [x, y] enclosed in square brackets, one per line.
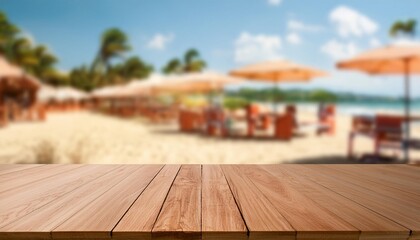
[39, 223]
[221, 218]
[310, 220]
[10, 168]
[383, 190]
[371, 224]
[92, 221]
[21, 201]
[30, 175]
[180, 217]
[390, 208]
[262, 218]
[209, 202]
[138, 222]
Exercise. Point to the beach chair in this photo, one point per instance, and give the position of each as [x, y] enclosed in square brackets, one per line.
[215, 122]
[326, 120]
[190, 121]
[284, 126]
[386, 131]
[292, 111]
[252, 113]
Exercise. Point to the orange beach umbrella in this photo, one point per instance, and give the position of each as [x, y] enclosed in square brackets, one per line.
[197, 83]
[278, 71]
[393, 59]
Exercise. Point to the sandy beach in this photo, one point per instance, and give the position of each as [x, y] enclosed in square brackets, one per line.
[83, 137]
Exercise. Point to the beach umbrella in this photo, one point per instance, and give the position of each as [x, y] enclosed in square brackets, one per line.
[278, 71]
[398, 59]
[144, 87]
[202, 82]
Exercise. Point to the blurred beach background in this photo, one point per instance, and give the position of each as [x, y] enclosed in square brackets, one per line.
[81, 81]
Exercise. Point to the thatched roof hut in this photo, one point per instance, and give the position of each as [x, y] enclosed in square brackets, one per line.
[15, 83]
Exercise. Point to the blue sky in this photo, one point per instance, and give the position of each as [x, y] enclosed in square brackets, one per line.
[228, 34]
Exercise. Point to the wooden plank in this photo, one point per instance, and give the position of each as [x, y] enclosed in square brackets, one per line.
[352, 176]
[180, 216]
[310, 220]
[221, 218]
[402, 170]
[30, 175]
[21, 201]
[92, 222]
[371, 224]
[39, 223]
[10, 168]
[387, 176]
[138, 222]
[394, 210]
[262, 218]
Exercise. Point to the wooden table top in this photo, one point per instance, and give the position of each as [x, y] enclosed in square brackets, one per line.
[209, 202]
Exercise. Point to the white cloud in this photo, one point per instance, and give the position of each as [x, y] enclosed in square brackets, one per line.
[251, 48]
[374, 42]
[350, 22]
[295, 25]
[274, 2]
[293, 38]
[160, 41]
[340, 50]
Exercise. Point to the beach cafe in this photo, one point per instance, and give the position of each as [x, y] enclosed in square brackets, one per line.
[18, 92]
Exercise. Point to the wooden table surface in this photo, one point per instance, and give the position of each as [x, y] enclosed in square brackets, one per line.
[209, 202]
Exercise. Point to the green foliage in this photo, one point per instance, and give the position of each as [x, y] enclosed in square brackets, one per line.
[82, 78]
[35, 59]
[233, 103]
[8, 32]
[405, 28]
[134, 67]
[191, 63]
[278, 95]
[173, 66]
[322, 96]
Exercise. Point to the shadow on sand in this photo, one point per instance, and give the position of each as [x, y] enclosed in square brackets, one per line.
[235, 137]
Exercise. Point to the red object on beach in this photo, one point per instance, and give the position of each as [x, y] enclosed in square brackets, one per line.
[252, 113]
[386, 131]
[284, 126]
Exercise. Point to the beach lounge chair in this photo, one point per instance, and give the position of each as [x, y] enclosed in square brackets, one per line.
[284, 126]
[326, 120]
[215, 120]
[190, 121]
[386, 131]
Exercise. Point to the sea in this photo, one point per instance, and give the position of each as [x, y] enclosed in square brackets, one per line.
[359, 108]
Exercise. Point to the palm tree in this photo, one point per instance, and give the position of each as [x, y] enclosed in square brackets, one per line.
[114, 43]
[405, 28]
[20, 53]
[173, 66]
[8, 32]
[190, 63]
[45, 64]
[134, 67]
